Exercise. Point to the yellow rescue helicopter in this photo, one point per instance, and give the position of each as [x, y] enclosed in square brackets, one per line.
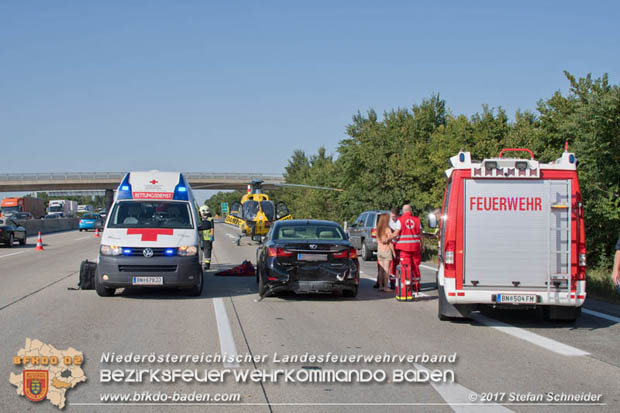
[255, 213]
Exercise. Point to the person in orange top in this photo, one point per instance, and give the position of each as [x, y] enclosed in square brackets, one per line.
[410, 244]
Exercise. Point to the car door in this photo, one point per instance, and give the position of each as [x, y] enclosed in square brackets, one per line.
[260, 252]
[19, 232]
[368, 225]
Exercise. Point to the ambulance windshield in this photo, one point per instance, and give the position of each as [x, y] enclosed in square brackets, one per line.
[151, 214]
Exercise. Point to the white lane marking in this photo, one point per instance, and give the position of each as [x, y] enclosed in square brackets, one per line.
[13, 253]
[227, 342]
[78, 239]
[601, 315]
[428, 268]
[231, 236]
[461, 399]
[533, 338]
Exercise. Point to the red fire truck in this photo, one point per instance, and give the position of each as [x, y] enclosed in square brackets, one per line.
[512, 234]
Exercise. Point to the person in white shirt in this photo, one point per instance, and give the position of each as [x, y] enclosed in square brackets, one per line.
[394, 226]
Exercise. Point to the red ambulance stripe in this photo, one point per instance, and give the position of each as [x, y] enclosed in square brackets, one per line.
[150, 234]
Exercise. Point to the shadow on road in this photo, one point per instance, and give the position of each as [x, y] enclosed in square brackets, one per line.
[534, 319]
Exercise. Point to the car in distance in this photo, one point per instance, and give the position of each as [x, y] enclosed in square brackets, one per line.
[22, 216]
[89, 221]
[363, 233]
[11, 232]
[307, 256]
[52, 216]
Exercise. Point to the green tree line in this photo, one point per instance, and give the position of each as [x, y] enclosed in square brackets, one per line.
[403, 156]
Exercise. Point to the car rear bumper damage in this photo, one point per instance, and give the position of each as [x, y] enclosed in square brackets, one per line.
[319, 278]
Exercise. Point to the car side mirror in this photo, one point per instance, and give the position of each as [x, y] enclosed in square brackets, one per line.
[432, 220]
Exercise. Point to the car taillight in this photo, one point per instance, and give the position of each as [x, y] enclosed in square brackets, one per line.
[373, 233]
[448, 258]
[350, 253]
[278, 252]
[81, 221]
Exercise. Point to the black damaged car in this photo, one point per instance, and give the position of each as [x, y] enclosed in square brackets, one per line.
[307, 256]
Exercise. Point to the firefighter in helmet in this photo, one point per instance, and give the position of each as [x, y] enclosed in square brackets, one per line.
[207, 235]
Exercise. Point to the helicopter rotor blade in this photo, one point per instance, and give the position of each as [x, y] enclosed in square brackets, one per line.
[311, 187]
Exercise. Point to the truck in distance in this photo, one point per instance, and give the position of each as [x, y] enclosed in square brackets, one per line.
[63, 207]
[36, 206]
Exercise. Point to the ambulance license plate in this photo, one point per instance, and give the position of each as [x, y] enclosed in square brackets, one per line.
[516, 298]
[148, 281]
[312, 257]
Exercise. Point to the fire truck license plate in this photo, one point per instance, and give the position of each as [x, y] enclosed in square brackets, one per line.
[516, 298]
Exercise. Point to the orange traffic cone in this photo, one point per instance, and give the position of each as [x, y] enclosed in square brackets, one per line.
[39, 243]
[97, 232]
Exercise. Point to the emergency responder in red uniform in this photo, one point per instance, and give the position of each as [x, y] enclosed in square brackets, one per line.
[410, 243]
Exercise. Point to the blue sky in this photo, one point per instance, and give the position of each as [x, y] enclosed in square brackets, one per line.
[237, 86]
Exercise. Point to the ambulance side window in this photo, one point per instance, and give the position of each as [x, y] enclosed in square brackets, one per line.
[443, 222]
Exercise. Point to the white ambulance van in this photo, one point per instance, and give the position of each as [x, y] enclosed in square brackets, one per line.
[151, 236]
[512, 234]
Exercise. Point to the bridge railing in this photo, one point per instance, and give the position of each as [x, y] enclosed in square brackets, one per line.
[117, 176]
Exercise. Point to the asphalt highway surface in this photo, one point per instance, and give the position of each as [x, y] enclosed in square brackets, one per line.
[500, 355]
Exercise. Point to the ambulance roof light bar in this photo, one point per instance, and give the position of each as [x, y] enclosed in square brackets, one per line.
[124, 190]
[180, 191]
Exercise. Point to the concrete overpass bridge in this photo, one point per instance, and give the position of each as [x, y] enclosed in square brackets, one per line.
[84, 181]
[107, 182]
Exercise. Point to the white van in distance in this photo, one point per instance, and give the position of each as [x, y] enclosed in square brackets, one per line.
[151, 236]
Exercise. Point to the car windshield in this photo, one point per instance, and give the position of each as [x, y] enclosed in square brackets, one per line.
[55, 208]
[268, 209]
[147, 214]
[90, 216]
[10, 210]
[250, 209]
[309, 232]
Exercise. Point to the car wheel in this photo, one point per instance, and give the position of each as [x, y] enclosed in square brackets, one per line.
[103, 291]
[81, 230]
[262, 288]
[196, 290]
[23, 240]
[351, 293]
[366, 253]
[11, 240]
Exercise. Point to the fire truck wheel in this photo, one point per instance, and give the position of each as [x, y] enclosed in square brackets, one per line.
[447, 311]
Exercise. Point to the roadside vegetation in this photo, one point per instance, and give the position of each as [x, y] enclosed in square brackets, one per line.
[402, 155]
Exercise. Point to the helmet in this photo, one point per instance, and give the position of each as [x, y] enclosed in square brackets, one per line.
[204, 209]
